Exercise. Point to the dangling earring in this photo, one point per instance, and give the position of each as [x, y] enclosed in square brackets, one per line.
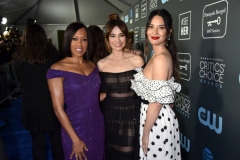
[168, 41]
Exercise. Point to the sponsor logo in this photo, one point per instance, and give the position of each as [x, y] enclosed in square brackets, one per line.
[182, 104]
[142, 33]
[153, 4]
[136, 31]
[126, 18]
[184, 28]
[214, 20]
[144, 8]
[210, 120]
[185, 143]
[131, 16]
[184, 65]
[136, 12]
[164, 1]
[212, 71]
[206, 154]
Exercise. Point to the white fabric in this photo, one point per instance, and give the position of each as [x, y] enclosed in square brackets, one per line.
[164, 141]
[154, 90]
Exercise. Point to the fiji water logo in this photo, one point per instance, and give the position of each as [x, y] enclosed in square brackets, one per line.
[206, 154]
[164, 1]
[185, 143]
[205, 118]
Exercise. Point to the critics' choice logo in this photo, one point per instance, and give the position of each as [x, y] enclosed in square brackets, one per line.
[185, 143]
[153, 4]
[184, 65]
[212, 71]
[136, 12]
[144, 8]
[182, 104]
[214, 20]
[136, 32]
[184, 27]
[207, 154]
[142, 33]
[210, 120]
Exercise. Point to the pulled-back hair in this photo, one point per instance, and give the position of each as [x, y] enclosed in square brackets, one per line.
[34, 48]
[109, 27]
[170, 43]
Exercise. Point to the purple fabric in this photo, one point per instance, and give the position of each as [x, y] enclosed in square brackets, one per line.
[81, 97]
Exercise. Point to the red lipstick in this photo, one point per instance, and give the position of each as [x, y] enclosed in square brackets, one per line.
[154, 38]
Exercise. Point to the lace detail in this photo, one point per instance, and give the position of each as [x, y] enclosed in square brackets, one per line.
[121, 110]
[154, 90]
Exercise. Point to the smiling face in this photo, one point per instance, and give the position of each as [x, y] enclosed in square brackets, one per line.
[79, 43]
[156, 32]
[117, 40]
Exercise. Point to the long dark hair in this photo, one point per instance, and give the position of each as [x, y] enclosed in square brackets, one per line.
[99, 49]
[71, 29]
[169, 42]
[35, 48]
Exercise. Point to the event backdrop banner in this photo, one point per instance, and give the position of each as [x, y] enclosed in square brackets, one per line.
[208, 107]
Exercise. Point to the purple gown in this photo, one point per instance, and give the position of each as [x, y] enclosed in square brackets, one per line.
[81, 97]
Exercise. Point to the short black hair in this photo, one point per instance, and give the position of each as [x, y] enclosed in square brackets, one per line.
[71, 29]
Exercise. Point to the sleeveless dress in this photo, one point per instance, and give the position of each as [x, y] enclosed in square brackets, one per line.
[121, 110]
[164, 136]
[81, 98]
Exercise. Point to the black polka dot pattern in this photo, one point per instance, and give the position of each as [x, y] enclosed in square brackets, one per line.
[164, 135]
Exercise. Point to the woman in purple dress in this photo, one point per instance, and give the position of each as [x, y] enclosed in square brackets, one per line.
[74, 86]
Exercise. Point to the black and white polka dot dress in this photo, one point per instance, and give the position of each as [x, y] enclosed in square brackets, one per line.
[164, 141]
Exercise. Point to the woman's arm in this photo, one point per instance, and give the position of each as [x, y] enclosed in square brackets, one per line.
[159, 72]
[56, 90]
[102, 96]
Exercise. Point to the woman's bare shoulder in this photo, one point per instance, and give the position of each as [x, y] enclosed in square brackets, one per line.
[163, 58]
[60, 64]
[137, 60]
[103, 62]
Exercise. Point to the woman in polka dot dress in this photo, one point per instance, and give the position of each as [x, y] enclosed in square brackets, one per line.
[159, 133]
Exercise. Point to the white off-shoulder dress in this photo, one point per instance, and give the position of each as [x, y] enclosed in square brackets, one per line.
[164, 141]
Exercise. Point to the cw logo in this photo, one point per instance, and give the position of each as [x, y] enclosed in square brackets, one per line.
[164, 1]
[185, 143]
[204, 117]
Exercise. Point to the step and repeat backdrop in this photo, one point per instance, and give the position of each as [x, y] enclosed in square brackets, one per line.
[207, 34]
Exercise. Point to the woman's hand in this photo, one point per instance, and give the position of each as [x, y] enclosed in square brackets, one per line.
[78, 150]
[137, 52]
[145, 140]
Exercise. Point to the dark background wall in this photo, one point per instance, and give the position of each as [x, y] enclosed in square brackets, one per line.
[208, 106]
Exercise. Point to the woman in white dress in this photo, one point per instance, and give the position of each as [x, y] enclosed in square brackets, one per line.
[159, 133]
